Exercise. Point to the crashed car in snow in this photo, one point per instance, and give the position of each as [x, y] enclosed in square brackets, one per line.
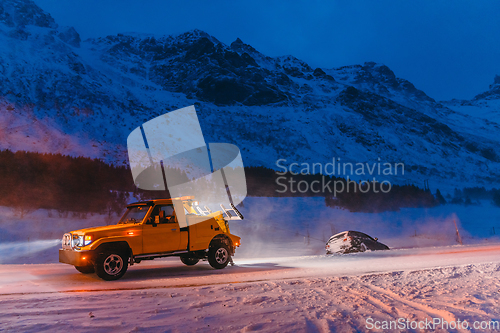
[353, 241]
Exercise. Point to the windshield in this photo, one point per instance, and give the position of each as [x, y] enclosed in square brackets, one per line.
[134, 214]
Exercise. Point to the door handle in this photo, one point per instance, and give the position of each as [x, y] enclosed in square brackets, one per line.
[174, 229]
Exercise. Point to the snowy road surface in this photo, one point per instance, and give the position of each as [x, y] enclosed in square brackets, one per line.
[287, 294]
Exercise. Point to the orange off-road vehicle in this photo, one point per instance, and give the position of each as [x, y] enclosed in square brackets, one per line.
[153, 229]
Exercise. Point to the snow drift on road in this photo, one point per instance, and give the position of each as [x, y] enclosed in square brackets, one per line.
[293, 294]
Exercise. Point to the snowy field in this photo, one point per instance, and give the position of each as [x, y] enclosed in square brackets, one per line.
[287, 294]
[282, 280]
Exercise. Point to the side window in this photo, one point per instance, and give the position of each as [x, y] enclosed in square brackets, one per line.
[169, 213]
[359, 234]
[154, 215]
[163, 214]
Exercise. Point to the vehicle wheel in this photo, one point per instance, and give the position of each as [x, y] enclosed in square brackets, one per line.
[111, 265]
[85, 269]
[218, 256]
[190, 261]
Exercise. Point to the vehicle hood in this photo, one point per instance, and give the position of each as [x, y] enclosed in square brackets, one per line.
[114, 227]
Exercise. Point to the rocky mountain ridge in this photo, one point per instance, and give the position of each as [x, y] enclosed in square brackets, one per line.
[96, 91]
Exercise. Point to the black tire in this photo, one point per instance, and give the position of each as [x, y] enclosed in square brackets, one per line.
[190, 261]
[111, 265]
[85, 269]
[218, 256]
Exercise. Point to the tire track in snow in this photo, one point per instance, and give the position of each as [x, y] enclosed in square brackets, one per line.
[448, 316]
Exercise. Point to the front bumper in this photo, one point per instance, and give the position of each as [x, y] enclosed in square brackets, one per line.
[76, 258]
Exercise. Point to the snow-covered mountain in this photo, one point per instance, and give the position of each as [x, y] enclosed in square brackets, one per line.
[484, 107]
[92, 93]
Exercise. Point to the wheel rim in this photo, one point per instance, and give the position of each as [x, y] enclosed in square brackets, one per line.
[113, 264]
[221, 255]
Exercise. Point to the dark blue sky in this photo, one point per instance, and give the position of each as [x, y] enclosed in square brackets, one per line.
[449, 49]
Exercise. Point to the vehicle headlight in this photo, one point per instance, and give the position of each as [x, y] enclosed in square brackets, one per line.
[77, 241]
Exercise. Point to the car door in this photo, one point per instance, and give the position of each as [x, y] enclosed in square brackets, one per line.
[161, 233]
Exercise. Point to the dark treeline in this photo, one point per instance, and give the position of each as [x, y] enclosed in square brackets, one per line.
[360, 197]
[30, 180]
[53, 181]
[375, 201]
[466, 195]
